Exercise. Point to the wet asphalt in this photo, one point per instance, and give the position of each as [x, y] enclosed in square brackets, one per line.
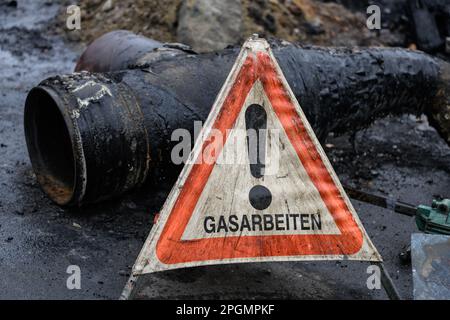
[401, 157]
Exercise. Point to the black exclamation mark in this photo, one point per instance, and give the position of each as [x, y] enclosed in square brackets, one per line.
[256, 119]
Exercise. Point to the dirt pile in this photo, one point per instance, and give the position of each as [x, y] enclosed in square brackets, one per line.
[305, 21]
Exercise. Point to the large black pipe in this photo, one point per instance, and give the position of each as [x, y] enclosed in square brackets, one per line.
[93, 136]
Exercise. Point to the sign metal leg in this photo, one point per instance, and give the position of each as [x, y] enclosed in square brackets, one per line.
[388, 284]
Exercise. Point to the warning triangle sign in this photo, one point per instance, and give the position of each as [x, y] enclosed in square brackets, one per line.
[258, 186]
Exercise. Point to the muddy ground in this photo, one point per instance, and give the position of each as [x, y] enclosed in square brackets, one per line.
[402, 157]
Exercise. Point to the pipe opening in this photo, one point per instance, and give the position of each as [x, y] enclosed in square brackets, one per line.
[50, 146]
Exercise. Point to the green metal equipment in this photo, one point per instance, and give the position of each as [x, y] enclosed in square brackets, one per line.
[432, 220]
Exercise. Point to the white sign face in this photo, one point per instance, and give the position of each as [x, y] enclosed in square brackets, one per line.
[259, 186]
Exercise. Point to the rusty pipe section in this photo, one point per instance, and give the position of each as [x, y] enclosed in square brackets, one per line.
[93, 136]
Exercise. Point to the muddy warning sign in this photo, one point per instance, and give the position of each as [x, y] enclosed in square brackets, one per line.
[257, 185]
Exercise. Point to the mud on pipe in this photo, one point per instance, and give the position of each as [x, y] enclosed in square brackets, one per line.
[92, 136]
